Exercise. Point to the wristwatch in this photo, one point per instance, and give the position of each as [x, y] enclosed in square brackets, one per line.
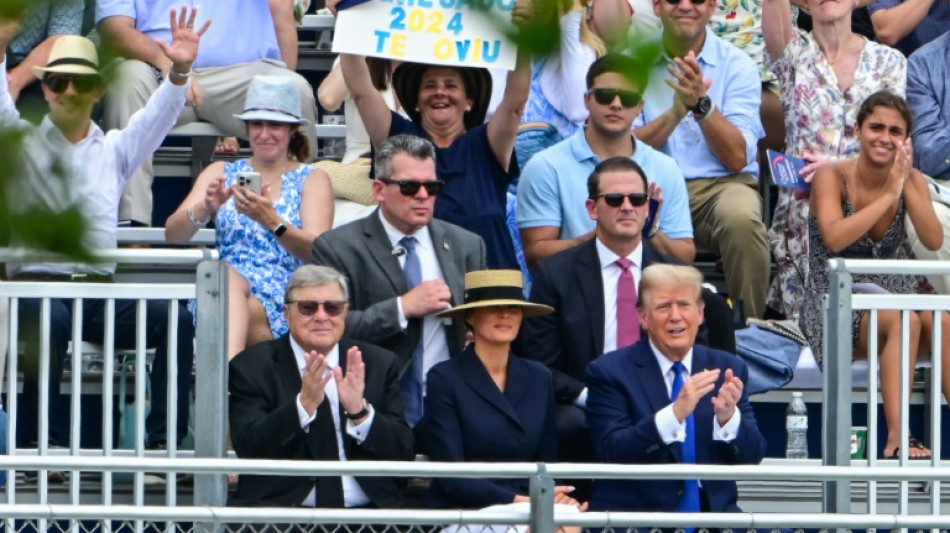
[358, 415]
[280, 229]
[703, 107]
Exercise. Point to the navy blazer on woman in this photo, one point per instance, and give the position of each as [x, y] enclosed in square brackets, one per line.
[470, 419]
[626, 390]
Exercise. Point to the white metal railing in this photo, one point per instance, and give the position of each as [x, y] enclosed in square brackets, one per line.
[210, 290]
[541, 476]
[838, 349]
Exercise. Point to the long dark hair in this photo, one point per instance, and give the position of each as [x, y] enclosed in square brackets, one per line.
[887, 99]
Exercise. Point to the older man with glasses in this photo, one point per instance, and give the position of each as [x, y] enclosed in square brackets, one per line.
[702, 108]
[553, 186]
[405, 267]
[314, 395]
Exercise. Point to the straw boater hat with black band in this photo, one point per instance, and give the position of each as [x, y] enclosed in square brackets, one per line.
[71, 54]
[495, 288]
[477, 81]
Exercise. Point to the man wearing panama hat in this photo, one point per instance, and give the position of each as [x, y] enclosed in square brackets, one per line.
[68, 163]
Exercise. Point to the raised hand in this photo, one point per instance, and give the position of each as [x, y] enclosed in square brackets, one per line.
[724, 404]
[901, 168]
[655, 192]
[216, 195]
[9, 26]
[313, 381]
[184, 46]
[351, 386]
[689, 85]
[694, 388]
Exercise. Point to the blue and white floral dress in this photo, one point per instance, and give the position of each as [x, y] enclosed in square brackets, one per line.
[252, 250]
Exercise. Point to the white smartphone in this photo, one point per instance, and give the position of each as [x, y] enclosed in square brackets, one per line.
[251, 180]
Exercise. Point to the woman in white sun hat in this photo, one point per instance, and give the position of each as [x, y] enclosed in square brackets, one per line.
[262, 235]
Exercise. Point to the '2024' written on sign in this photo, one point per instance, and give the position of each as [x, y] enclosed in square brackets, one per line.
[416, 16]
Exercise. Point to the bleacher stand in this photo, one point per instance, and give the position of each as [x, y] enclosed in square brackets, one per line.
[221, 75]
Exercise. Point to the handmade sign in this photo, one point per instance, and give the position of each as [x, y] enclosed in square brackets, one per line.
[471, 33]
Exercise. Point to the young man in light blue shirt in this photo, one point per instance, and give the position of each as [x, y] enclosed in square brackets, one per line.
[702, 108]
[551, 194]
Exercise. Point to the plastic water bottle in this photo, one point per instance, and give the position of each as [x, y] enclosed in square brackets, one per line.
[796, 425]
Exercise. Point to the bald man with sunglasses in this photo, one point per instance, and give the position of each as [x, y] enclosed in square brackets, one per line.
[315, 395]
[404, 266]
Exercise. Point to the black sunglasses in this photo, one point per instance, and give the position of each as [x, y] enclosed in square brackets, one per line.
[411, 188]
[606, 97]
[309, 307]
[83, 84]
[615, 199]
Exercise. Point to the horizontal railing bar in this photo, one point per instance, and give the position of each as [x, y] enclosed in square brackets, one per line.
[118, 255]
[318, 22]
[157, 236]
[910, 472]
[225, 515]
[910, 302]
[119, 291]
[889, 266]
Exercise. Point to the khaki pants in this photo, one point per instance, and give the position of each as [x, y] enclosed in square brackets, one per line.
[222, 90]
[727, 220]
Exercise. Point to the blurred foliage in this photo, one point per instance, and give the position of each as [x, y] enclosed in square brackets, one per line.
[34, 226]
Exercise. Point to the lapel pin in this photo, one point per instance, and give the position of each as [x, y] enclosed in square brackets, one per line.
[446, 246]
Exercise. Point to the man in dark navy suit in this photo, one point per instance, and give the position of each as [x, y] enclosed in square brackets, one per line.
[583, 285]
[667, 400]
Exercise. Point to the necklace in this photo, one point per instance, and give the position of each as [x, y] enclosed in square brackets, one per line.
[842, 52]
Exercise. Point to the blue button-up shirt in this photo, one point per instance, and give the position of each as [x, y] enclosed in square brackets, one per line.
[928, 93]
[736, 91]
[934, 24]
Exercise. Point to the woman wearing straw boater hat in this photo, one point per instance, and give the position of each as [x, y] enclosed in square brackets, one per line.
[487, 404]
[267, 210]
[447, 105]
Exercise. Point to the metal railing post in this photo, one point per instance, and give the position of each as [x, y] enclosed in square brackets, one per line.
[542, 501]
[211, 378]
[836, 408]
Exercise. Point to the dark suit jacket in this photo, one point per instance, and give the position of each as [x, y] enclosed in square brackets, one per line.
[264, 382]
[626, 389]
[571, 337]
[361, 250]
[470, 419]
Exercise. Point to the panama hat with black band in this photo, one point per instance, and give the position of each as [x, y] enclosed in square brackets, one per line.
[495, 288]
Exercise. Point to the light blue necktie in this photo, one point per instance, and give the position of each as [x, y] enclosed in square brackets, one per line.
[690, 501]
[411, 382]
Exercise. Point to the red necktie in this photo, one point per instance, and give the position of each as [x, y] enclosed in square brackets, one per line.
[628, 321]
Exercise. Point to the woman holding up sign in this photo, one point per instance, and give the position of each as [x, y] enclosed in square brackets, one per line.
[447, 105]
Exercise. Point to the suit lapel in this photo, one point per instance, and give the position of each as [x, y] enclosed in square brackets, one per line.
[654, 384]
[287, 371]
[591, 282]
[478, 379]
[380, 249]
[454, 278]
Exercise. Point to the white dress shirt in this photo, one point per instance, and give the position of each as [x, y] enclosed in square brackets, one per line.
[94, 170]
[435, 347]
[353, 495]
[672, 430]
[610, 274]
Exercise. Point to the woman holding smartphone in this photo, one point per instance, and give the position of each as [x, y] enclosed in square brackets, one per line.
[262, 233]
